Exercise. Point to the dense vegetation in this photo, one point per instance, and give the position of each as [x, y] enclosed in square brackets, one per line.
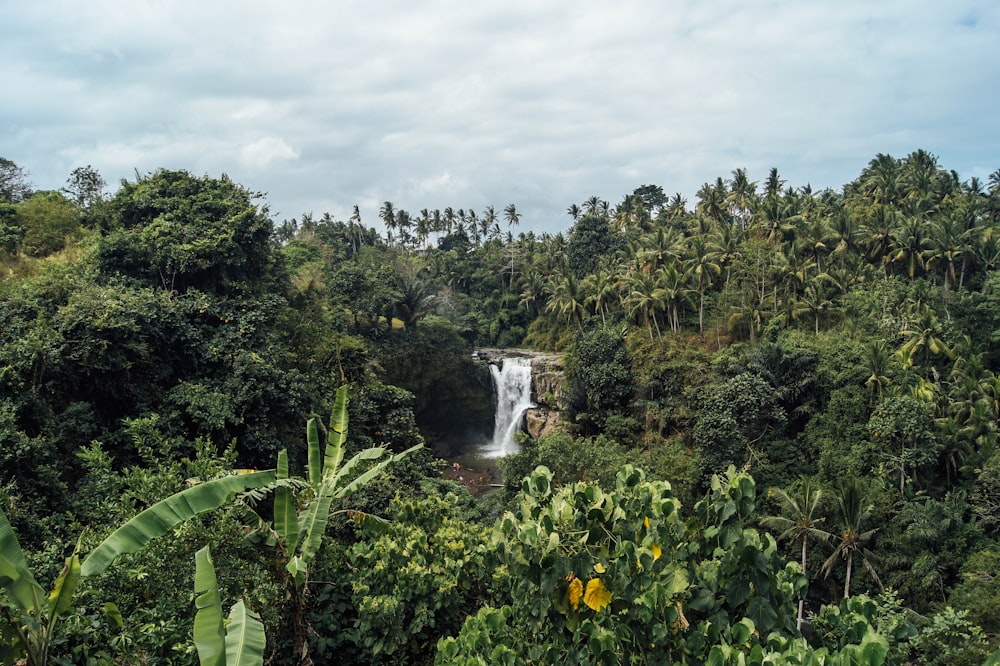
[778, 441]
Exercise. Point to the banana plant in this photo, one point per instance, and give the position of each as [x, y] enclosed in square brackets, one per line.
[242, 642]
[28, 615]
[300, 519]
[30, 618]
[329, 478]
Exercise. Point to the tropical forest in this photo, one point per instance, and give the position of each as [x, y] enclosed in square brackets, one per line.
[770, 425]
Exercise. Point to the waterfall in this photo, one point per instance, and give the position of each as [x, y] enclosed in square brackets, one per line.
[512, 379]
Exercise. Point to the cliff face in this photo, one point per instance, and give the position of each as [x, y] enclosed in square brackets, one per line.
[547, 381]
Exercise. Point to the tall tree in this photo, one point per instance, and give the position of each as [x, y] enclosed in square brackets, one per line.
[85, 186]
[14, 185]
[852, 514]
[799, 521]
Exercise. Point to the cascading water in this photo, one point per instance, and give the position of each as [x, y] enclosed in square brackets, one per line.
[512, 380]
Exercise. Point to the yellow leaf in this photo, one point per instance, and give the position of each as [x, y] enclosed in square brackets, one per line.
[657, 551]
[599, 568]
[645, 521]
[575, 592]
[597, 596]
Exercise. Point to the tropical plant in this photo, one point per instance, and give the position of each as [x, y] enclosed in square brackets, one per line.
[300, 519]
[800, 521]
[850, 540]
[32, 617]
[242, 641]
[28, 615]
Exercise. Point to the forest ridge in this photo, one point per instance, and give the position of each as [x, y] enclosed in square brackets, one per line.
[778, 425]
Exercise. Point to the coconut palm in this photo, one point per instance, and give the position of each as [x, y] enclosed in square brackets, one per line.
[799, 520]
[877, 363]
[850, 539]
[566, 299]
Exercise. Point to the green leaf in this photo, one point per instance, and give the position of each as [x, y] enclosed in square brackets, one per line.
[65, 587]
[313, 527]
[371, 473]
[337, 435]
[209, 636]
[15, 577]
[286, 520]
[245, 639]
[314, 461]
[112, 613]
[163, 516]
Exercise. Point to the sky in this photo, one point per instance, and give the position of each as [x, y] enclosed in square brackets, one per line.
[324, 105]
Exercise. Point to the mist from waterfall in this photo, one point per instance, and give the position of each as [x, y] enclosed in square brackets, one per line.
[512, 381]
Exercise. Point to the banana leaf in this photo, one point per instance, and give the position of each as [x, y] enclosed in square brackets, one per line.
[337, 434]
[369, 474]
[163, 516]
[286, 520]
[209, 635]
[15, 577]
[314, 462]
[245, 638]
[61, 597]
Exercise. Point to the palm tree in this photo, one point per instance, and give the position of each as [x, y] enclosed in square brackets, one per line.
[676, 208]
[566, 299]
[388, 215]
[513, 218]
[487, 222]
[673, 291]
[799, 521]
[706, 269]
[593, 205]
[574, 212]
[599, 287]
[742, 197]
[644, 298]
[911, 245]
[877, 363]
[815, 302]
[852, 513]
[923, 334]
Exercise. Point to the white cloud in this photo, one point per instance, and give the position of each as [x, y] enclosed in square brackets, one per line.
[530, 101]
[262, 152]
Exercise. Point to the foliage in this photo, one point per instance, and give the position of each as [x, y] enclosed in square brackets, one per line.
[737, 421]
[416, 581]
[598, 377]
[657, 589]
[950, 639]
[240, 643]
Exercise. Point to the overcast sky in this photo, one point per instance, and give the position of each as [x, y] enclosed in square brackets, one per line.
[323, 105]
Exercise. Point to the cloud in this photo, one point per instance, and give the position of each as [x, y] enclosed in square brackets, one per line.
[262, 152]
[448, 103]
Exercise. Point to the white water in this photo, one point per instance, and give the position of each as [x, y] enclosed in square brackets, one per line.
[512, 380]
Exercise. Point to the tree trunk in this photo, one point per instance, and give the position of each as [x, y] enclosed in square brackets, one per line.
[847, 579]
[802, 601]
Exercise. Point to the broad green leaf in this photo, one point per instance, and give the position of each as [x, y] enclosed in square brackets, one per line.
[15, 577]
[65, 587]
[245, 639]
[337, 435]
[163, 516]
[209, 636]
[286, 519]
[373, 453]
[316, 519]
[370, 474]
[112, 613]
[314, 462]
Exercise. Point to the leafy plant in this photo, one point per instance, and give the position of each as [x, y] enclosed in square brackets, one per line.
[242, 642]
